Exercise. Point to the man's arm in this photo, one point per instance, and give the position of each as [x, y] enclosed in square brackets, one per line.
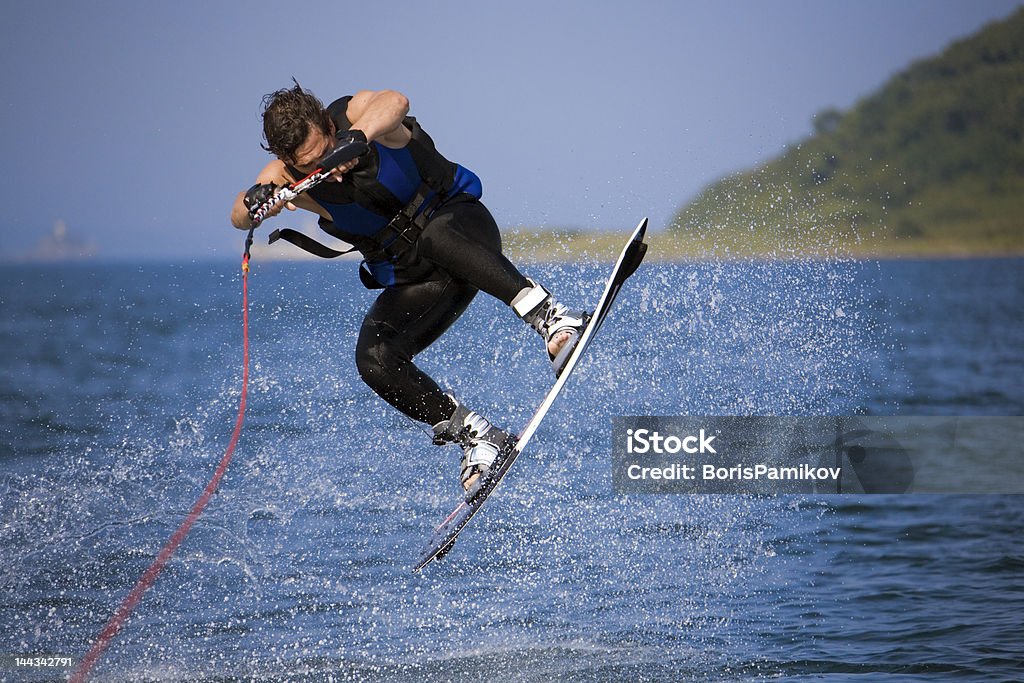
[379, 114]
[276, 173]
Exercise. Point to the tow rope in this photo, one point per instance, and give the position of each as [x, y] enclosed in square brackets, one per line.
[147, 579]
[349, 148]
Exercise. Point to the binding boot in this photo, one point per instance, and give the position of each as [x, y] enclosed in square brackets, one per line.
[481, 443]
[558, 325]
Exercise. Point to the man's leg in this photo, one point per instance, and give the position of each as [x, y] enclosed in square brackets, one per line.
[463, 239]
[401, 323]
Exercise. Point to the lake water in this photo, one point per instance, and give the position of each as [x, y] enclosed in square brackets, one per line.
[119, 391]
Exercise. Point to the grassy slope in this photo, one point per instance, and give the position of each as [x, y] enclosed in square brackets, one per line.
[932, 163]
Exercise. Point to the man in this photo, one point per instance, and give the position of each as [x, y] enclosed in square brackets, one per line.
[426, 239]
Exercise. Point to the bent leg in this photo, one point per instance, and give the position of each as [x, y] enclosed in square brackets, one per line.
[463, 239]
[401, 323]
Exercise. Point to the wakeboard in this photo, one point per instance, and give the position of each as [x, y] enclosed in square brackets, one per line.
[445, 535]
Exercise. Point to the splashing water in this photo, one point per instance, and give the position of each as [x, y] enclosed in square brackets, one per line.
[300, 565]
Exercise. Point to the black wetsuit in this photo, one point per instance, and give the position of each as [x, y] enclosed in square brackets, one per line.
[427, 286]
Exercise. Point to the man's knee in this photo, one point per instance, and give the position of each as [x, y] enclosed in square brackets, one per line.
[378, 360]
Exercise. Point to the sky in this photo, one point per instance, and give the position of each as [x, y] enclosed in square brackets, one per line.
[135, 124]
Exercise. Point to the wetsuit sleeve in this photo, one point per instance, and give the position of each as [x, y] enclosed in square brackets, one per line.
[338, 111]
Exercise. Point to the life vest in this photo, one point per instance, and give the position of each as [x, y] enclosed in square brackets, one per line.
[382, 205]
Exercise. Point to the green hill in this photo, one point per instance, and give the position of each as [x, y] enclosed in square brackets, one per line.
[933, 162]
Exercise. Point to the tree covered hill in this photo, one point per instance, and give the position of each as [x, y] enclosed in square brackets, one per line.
[933, 162]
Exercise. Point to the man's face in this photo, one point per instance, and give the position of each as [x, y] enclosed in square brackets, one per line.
[312, 149]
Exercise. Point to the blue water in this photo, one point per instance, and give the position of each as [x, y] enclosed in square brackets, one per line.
[119, 391]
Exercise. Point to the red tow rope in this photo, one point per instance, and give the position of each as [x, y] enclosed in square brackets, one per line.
[147, 579]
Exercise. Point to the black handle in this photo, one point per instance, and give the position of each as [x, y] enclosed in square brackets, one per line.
[351, 144]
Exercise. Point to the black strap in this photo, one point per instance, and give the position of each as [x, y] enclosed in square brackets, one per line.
[404, 229]
[307, 243]
[391, 241]
[438, 172]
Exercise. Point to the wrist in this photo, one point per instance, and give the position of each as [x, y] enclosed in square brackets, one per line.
[240, 214]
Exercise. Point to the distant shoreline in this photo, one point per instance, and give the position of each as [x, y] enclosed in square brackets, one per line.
[665, 246]
[568, 246]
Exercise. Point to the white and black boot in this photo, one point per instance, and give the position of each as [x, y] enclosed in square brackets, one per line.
[481, 443]
[558, 325]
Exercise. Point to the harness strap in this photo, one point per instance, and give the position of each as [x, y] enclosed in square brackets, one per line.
[307, 243]
[391, 241]
[406, 227]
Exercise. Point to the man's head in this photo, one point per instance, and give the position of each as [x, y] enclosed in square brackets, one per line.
[288, 117]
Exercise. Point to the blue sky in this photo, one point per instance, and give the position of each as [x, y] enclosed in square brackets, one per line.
[136, 123]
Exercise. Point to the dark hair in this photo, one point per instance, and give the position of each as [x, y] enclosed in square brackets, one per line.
[287, 116]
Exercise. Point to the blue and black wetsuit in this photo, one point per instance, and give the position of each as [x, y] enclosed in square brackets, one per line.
[428, 280]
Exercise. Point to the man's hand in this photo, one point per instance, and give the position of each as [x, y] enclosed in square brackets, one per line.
[345, 155]
[274, 174]
[258, 196]
[338, 172]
